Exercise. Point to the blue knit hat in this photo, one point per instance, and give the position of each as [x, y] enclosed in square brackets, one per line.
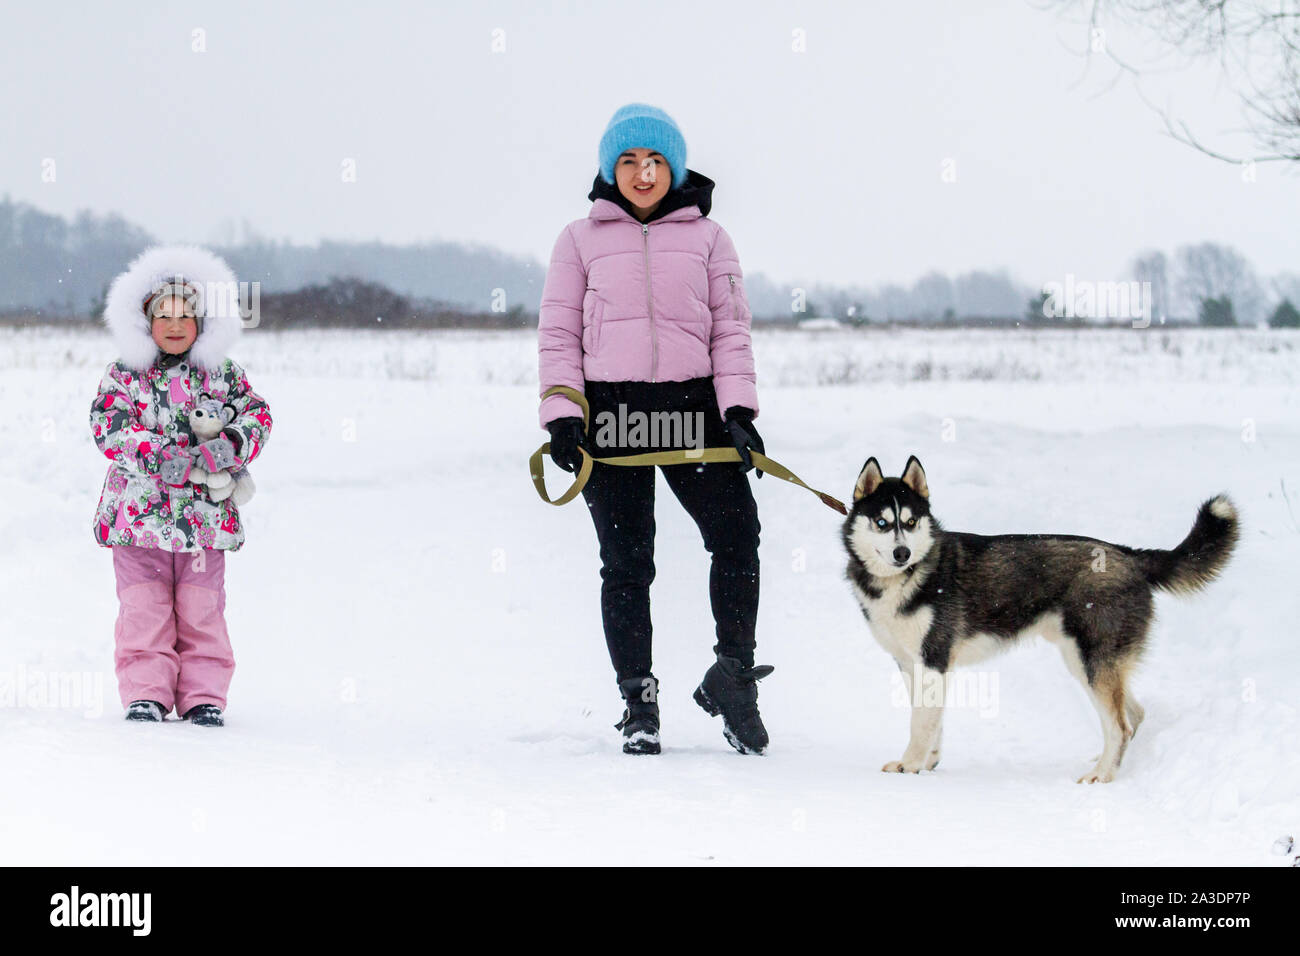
[640, 126]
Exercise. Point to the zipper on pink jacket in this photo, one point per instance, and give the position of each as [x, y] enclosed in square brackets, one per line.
[649, 302]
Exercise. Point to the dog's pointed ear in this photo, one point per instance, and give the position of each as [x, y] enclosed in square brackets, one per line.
[869, 479]
[914, 477]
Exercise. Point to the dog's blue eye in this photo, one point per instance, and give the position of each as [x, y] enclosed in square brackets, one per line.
[882, 523]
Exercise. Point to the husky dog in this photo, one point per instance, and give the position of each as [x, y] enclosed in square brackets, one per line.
[936, 599]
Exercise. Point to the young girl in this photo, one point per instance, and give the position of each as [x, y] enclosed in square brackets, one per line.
[644, 312]
[173, 314]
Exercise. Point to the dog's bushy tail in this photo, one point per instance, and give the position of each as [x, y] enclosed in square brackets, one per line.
[1199, 558]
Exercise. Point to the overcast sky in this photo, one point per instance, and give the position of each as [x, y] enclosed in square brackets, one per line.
[828, 162]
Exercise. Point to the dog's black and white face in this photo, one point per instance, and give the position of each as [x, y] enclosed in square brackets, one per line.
[889, 527]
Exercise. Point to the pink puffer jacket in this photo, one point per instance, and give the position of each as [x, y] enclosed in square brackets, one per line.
[656, 302]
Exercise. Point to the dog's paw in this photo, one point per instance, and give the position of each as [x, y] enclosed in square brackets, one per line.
[1097, 776]
[933, 760]
[901, 766]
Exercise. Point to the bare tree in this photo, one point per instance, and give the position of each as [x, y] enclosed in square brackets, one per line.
[1211, 271]
[1285, 285]
[932, 296]
[1153, 267]
[1256, 44]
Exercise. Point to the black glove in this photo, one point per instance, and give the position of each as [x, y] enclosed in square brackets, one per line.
[566, 437]
[740, 424]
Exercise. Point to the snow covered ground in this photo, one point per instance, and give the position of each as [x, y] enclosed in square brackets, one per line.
[422, 677]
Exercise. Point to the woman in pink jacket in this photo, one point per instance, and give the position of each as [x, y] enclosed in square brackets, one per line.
[644, 312]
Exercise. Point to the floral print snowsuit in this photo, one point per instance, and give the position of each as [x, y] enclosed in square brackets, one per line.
[141, 419]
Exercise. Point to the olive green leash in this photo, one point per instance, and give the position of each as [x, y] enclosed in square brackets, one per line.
[681, 456]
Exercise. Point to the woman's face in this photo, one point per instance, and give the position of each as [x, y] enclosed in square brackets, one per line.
[643, 177]
[173, 329]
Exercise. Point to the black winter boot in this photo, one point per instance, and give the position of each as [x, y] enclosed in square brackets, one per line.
[205, 715]
[731, 689]
[149, 711]
[640, 723]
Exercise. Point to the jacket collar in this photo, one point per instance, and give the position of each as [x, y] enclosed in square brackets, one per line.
[166, 360]
[691, 200]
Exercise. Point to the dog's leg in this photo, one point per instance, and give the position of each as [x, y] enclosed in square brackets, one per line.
[926, 689]
[1133, 710]
[1108, 696]
[933, 760]
[1069, 649]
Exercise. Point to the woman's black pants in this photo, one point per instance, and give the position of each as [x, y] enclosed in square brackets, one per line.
[718, 498]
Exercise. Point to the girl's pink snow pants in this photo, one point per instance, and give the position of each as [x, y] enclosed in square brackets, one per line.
[172, 644]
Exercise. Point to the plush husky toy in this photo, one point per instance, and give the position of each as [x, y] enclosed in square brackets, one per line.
[207, 421]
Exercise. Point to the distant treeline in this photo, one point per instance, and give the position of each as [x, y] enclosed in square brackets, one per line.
[59, 267]
[53, 269]
[339, 303]
[357, 304]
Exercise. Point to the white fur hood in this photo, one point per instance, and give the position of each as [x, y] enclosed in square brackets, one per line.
[219, 306]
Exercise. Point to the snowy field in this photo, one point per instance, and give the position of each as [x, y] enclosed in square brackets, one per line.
[422, 676]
